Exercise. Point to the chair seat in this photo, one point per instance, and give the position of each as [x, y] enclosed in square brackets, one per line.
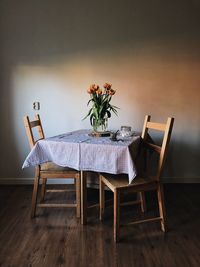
[121, 181]
[50, 166]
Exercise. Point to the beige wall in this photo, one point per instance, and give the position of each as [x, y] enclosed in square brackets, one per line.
[52, 50]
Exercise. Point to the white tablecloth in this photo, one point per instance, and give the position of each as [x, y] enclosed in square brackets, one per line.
[80, 151]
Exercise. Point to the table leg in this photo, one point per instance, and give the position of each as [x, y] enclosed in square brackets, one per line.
[83, 198]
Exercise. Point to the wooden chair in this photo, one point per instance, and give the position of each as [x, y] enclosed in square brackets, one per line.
[118, 184]
[49, 170]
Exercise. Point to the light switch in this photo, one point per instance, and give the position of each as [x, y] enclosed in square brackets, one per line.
[36, 105]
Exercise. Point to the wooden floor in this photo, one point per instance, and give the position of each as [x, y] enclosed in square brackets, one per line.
[56, 238]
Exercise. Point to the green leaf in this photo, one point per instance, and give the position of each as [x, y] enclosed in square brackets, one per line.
[108, 113]
[115, 107]
[89, 101]
[87, 114]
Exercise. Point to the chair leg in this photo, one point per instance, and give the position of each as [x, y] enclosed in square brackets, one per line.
[116, 214]
[35, 193]
[161, 206]
[101, 199]
[83, 198]
[78, 196]
[43, 191]
[142, 201]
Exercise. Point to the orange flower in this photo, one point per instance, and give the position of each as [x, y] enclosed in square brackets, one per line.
[111, 92]
[96, 87]
[99, 92]
[107, 86]
[90, 91]
[93, 88]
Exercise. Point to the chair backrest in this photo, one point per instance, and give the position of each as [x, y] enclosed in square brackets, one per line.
[29, 125]
[166, 128]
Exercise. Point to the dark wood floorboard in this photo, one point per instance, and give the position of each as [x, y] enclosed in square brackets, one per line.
[56, 238]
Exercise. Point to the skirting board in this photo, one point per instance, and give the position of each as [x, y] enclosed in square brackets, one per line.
[26, 181]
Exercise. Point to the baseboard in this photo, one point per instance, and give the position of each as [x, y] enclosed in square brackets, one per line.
[184, 180]
[27, 181]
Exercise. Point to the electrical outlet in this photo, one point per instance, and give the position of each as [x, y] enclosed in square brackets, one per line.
[36, 105]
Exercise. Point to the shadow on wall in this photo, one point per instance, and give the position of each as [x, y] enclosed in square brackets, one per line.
[149, 51]
[183, 161]
[35, 32]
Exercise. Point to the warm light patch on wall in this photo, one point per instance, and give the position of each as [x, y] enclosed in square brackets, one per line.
[148, 80]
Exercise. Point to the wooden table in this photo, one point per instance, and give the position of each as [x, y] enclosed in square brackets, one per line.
[83, 152]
